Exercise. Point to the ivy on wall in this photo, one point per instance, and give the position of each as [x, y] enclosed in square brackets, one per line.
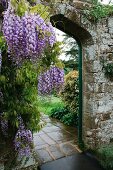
[98, 11]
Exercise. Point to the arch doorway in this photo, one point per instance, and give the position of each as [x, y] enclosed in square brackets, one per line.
[81, 36]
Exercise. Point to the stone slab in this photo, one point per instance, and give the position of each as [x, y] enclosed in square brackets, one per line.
[38, 141]
[44, 155]
[74, 162]
[47, 139]
[67, 148]
[56, 152]
[51, 129]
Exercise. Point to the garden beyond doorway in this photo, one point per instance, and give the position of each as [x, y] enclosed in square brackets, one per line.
[60, 109]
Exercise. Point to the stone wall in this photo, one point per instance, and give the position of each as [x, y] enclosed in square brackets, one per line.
[97, 44]
[98, 90]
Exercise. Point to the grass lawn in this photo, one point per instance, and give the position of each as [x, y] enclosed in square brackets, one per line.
[46, 104]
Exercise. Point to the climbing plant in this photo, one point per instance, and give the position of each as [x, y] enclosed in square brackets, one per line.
[26, 37]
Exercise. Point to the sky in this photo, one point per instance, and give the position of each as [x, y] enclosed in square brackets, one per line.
[59, 37]
[107, 1]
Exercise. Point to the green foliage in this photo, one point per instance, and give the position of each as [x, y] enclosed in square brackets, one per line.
[70, 65]
[40, 9]
[98, 11]
[70, 93]
[59, 112]
[51, 57]
[19, 88]
[70, 50]
[46, 104]
[64, 115]
[108, 70]
[70, 119]
[21, 6]
[3, 45]
[105, 155]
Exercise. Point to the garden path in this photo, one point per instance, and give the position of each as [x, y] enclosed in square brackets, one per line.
[55, 140]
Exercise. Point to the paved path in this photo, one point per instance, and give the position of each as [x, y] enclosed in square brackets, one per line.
[55, 141]
[75, 162]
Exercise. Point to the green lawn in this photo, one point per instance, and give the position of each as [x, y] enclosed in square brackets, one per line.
[46, 104]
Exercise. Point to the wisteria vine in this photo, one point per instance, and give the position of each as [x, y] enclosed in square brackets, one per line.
[23, 140]
[27, 36]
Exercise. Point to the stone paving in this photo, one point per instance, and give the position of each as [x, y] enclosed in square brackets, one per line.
[55, 141]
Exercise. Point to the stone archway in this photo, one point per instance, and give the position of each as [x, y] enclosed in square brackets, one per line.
[81, 36]
[97, 44]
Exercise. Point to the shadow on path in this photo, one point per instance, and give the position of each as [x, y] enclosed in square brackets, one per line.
[75, 162]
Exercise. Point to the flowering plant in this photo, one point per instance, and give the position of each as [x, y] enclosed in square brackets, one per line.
[28, 35]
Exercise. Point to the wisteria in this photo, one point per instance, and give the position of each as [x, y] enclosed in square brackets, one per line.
[27, 36]
[50, 80]
[23, 140]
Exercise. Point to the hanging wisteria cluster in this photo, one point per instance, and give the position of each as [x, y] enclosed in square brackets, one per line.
[27, 36]
[23, 140]
[50, 80]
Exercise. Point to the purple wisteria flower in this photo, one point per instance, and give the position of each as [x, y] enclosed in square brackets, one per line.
[27, 36]
[52, 79]
[23, 140]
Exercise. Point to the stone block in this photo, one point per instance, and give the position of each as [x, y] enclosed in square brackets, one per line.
[88, 66]
[90, 53]
[97, 67]
[89, 87]
[100, 77]
[89, 77]
[110, 25]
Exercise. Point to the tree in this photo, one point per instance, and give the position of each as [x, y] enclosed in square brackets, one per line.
[71, 53]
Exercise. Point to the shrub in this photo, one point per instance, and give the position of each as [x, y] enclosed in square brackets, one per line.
[70, 93]
[70, 119]
[105, 155]
[64, 115]
[59, 112]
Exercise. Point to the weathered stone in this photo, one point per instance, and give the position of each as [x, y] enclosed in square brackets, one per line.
[38, 141]
[67, 148]
[43, 155]
[110, 25]
[47, 139]
[89, 133]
